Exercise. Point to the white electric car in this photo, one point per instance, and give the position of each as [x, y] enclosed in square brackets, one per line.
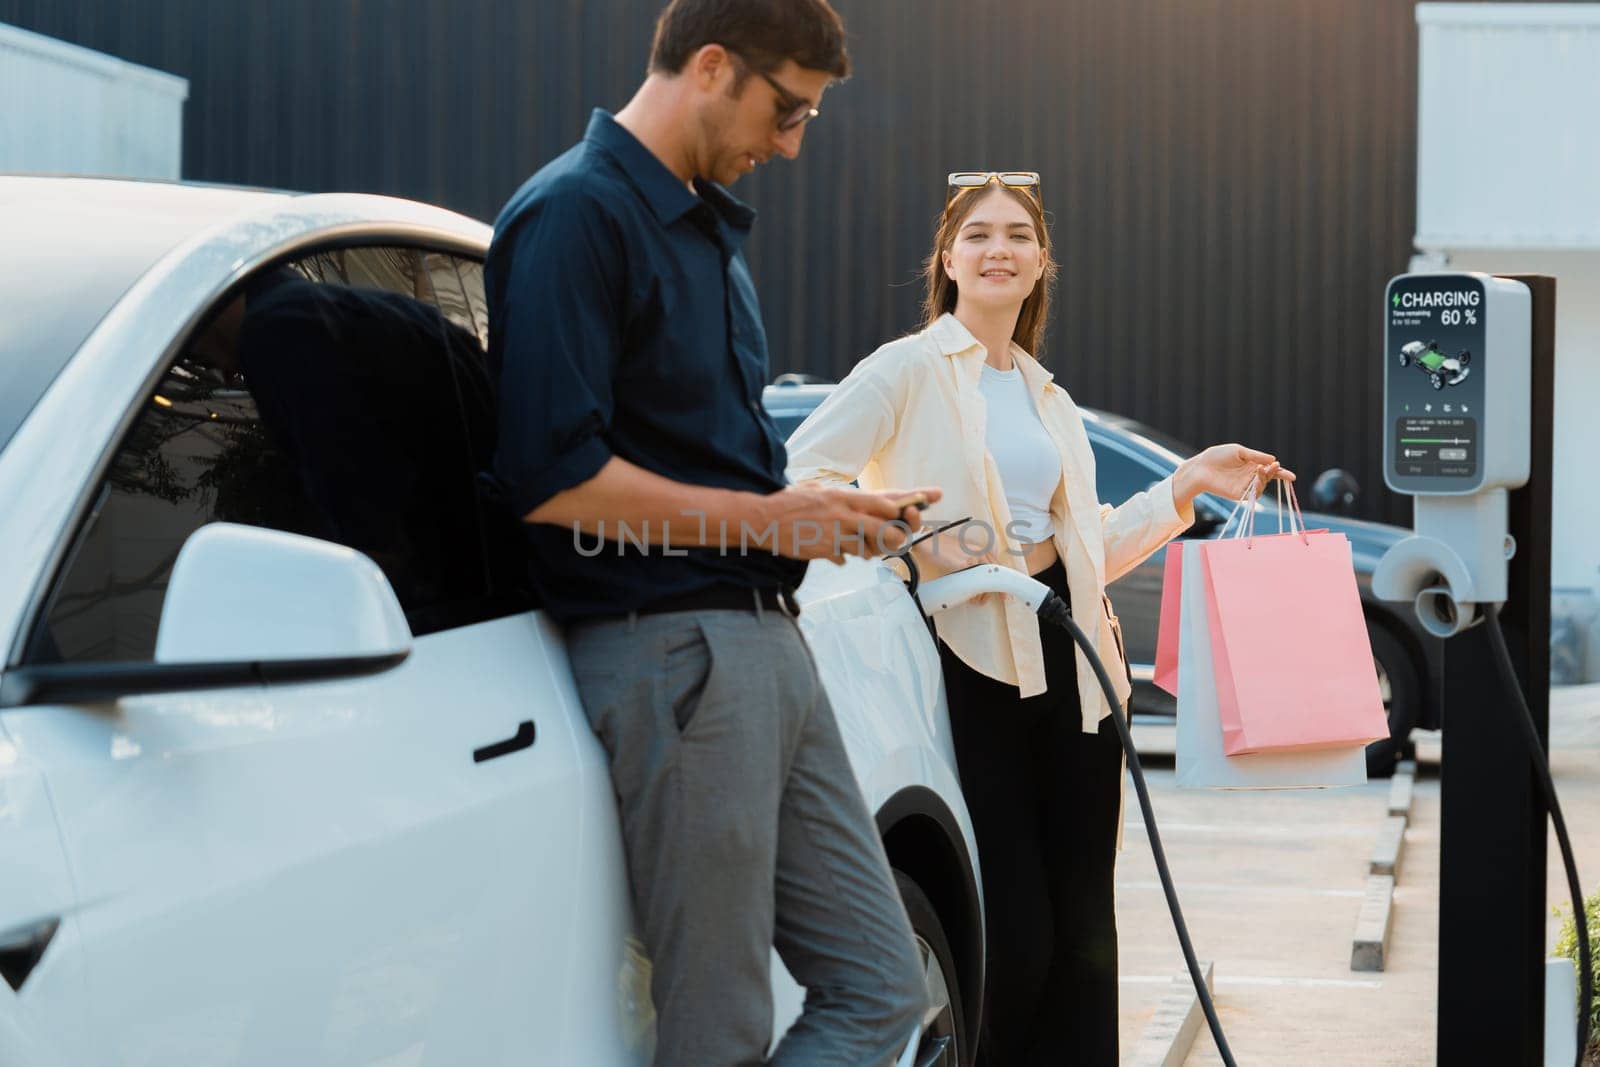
[292, 769]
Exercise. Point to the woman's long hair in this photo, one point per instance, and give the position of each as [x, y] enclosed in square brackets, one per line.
[942, 291]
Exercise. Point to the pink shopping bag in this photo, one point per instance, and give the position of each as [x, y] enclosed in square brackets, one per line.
[1169, 625]
[1201, 762]
[1290, 649]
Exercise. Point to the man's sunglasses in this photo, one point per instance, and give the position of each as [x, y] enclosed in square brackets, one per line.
[794, 110]
[977, 179]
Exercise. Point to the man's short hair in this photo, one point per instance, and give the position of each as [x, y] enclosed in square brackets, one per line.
[762, 33]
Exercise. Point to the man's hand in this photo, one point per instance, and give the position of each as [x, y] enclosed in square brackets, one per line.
[830, 522]
[806, 521]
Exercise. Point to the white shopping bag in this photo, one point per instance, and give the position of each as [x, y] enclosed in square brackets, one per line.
[1201, 762]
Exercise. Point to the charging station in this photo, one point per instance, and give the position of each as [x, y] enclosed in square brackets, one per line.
[1468, 411]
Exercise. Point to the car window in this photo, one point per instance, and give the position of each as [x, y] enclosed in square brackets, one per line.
[1117, 475]
[343, 397]
[788, 422]
[1116, 468]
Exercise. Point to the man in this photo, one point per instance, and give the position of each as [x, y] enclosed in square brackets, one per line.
[629, 356]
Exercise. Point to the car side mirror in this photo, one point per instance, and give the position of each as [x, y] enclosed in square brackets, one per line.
[1335, 491]
[248, 593]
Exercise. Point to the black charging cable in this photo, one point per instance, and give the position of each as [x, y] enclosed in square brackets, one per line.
[1541, 768]
[1055, 610]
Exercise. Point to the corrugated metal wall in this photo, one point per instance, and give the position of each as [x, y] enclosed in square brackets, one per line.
[1232, 181]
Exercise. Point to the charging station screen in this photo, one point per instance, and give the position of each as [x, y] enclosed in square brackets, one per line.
[1434, 351]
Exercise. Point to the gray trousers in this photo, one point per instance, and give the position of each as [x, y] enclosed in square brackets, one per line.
[744, 829]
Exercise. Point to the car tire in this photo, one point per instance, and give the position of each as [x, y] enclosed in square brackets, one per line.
[1401, 685]
[1405, 360]
[946, 1015]
[1438, 381]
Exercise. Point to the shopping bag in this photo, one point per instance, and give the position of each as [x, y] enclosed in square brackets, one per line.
[1201, 762]
[1290, 652]
[1167, 628]
[1166, 676]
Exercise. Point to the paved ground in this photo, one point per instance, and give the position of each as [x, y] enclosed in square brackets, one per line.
[1271, 883]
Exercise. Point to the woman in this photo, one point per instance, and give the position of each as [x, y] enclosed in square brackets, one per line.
[963, 404]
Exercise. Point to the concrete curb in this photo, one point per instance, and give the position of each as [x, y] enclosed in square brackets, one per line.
[1373, 924]
[1370, 946]
[1171, 1031]
[1401, 787]
[1391, 843]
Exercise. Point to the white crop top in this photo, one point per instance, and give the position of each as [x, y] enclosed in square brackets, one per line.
[1030, 466]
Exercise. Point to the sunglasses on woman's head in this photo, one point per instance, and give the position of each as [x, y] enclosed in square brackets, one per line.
[977, 179]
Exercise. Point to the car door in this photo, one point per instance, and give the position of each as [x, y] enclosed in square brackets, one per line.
[41, 963]
[379, 869]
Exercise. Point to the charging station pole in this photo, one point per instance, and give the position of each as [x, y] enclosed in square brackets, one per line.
[1492, 863]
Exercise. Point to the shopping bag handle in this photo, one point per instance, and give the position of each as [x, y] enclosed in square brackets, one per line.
[1246, 530]
[1296, 519]
[1248, 502]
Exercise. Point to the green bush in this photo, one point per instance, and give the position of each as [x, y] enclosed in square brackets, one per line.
[1567, 945]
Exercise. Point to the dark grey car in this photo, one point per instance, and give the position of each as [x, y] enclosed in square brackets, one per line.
[1129, 457]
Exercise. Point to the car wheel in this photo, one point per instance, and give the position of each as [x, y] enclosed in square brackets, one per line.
[944, 1026]
[1405, 359]
[1401, 688]
[1438, 381]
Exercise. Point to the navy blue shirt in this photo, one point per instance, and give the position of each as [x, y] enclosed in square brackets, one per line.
[623, 322]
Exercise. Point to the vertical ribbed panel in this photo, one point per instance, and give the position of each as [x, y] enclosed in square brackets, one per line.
[72, 110]
[1232, 181]
[1508, 151]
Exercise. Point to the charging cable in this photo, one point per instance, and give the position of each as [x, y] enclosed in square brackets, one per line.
[944, 593]
[1054, 610]
[1541, 768]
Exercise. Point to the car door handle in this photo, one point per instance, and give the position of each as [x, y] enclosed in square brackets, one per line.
[518, 741]
[22, 948]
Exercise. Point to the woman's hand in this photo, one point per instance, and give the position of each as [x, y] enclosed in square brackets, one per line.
[1226, 471]
[943, 553]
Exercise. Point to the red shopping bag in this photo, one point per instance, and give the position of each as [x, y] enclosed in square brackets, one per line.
[1167, 629]
[1289, 644]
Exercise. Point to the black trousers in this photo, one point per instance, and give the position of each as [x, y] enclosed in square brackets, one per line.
[1044, 798]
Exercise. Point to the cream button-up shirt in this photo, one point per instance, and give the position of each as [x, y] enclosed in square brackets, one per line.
[912, 414]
